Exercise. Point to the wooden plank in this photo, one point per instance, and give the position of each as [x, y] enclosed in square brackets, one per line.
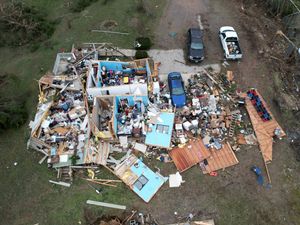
[60, 183]
[43, 159]
[221, 159]
[268, 174]
[39, 145]
[104, 148]
[104, 204]
[202, 222]
[191, 154]
[110, 32]
[264, 131]
[155, 70]
[229, 75]
[102, 183]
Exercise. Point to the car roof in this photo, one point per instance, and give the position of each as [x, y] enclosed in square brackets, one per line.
[174, 74]
[196, 32]
[226, 28]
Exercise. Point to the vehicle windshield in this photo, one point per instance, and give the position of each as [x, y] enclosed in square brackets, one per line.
[177, 91]
[233, 39]
[197, 46]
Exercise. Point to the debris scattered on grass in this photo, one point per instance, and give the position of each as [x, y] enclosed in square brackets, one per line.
[99, 107]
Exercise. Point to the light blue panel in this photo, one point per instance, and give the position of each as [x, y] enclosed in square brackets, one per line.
[130, 100]
[148, 69]
[99, 76]
[53, 151]
[160, 139]
[115, 115]
[117, 100]
[155, 181]
[145, 100]
[112, 65]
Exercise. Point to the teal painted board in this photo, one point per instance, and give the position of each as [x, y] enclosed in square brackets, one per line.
[159, 136]
[150, 182]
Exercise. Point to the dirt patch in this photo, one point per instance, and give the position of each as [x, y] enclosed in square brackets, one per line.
[109, 24]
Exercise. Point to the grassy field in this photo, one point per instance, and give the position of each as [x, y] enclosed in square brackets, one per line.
[26, 197]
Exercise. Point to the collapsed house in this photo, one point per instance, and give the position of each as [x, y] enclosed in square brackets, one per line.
[96, 112]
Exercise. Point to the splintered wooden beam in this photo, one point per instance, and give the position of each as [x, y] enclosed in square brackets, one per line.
[110, 32]
[107, 180]
[268, 174]
[60, 183]
[104, 204]
[105, 183]
[43, 159]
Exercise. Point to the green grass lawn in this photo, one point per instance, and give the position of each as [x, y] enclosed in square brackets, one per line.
[26, 196]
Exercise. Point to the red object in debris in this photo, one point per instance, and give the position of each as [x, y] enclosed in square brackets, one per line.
[126, 111]
[214, 174]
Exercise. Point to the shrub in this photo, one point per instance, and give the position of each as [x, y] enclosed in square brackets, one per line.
[143, 43]
[140, 7]
[80, 5]
[141, 54]
[74, 159]
[13, 112]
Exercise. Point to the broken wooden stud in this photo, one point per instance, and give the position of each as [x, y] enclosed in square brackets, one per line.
[60, 183]
[104, 204]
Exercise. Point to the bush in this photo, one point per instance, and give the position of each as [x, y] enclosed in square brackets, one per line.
[14, 115]
[141, 54]
[143, 43]
[13, 112]
[140, 7]
[80, 5]
[74, 159]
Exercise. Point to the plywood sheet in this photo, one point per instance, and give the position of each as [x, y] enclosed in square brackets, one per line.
[191, 154]
[264, 131]
[125, 165]
[220, 159]
[270, 125]
[104, 148]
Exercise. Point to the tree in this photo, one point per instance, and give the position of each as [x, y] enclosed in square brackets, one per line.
[22, 24]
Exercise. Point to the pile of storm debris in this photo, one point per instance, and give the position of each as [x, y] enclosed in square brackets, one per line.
[100, 108]
[138, 218]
